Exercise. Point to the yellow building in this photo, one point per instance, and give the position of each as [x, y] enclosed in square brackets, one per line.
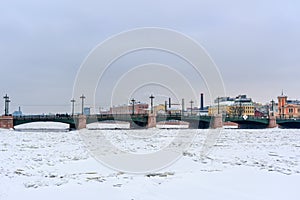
[223, 108]
[241, 109]
[160, 109]
[239, 106]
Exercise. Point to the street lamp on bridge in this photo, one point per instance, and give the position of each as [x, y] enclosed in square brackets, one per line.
[6, 105]
[82, 103]
[151, 101]
[132, 102]
[191, 102]
[73, 102]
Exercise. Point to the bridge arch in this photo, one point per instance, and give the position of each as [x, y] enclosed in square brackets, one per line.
[43, 125]
[32, 119]
[249, 122]
[136, 121]
[108, 124]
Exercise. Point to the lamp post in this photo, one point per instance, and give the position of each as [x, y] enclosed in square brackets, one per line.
[218, 105]
[6, 105]
[182, 106]
[151, 100]
[240, 109]
[133, 101]
[166, 107]
[82, 103]
[272, 107]
[191, 102]
[73, 102]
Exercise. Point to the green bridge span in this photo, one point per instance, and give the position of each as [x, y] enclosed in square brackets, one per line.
[141, 120]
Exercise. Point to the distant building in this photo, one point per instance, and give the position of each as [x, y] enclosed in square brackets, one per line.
[17, 113]
[261, 110]
[104, 111]
[238, 106]
[86, 111]
[139, 108]
[160, 109]
[197, 111]
[175, 109]
[221, 106]
[288, 108]
[242, 106]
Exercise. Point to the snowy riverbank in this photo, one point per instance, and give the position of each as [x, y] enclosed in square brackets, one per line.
[243, 164]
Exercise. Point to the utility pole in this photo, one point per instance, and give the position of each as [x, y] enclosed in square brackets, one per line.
[151, 100]
[132, 100]
[191, 102]
[240, 109]
[272, 108]
[73, 102]
[6, 105]
[166, 106]
[218, 105]
[182, 106]
[82, 103]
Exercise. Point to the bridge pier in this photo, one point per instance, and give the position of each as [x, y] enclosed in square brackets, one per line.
[151, 121]
[6, 122]
[216, 121]
[272, 122]
[81, 122]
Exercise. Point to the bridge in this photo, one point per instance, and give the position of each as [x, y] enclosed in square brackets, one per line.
[265, 122]
[44, 118]
[195, 121]
[136, 120]
[148, 120]
[75, 121]
[250, 122]
[288, 123]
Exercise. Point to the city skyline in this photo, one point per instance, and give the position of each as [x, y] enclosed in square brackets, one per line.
[77, 106]
[255, 44]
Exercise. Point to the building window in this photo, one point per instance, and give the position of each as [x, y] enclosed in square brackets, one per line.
[291, 110]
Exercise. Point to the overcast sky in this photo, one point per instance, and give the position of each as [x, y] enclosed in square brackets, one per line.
[255, 44]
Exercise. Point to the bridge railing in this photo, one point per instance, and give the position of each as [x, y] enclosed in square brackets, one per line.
[41, 117]
[248, 117]
[287, 119]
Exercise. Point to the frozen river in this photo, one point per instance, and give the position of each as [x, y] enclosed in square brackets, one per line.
[230, 164]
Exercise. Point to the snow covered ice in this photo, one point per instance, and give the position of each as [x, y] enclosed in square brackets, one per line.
[242, 164]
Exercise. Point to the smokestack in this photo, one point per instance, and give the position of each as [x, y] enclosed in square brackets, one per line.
[201, 102]
[169, 102]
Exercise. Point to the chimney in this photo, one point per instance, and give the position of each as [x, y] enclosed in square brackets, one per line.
[201, 102]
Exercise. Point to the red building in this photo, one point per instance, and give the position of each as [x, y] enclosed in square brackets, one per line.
[288, 108]
[139, 108]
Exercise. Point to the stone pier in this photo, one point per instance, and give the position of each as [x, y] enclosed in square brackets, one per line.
[6, 122]
[216, 121]
[272, 122]
[151, 121]
[81, 122]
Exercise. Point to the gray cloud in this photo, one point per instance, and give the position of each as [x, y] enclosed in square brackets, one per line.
[255, 44]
